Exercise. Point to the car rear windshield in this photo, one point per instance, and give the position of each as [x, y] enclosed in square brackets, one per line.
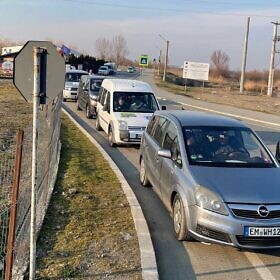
[73, 77]
[225, 146]
[95, 85]
[138, 102]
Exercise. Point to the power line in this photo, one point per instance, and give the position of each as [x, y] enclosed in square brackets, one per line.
[170, 9]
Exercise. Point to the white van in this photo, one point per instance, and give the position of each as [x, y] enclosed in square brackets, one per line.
[124, 108]
[72, 79]
[112, 66]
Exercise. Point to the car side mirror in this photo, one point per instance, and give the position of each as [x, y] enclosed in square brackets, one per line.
[164, 153]
[163, 107]
[277, 155]
[106, 107]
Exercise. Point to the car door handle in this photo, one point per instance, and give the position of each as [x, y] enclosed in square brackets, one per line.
[156, 156]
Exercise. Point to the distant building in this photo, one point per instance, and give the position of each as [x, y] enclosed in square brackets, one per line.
[10, 50]
[7, 59]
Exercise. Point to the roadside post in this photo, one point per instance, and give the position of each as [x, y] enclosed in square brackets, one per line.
[39, 76]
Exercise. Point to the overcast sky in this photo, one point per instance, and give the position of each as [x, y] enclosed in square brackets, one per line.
[195, 28]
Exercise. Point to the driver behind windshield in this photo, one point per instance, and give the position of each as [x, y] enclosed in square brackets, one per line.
[138, 104]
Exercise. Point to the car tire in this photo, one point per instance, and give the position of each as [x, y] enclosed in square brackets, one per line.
[97, 124]
[143, 176]
[64, 99]
[78, 106]
[179, 220]
[111, 137]
[88, 113]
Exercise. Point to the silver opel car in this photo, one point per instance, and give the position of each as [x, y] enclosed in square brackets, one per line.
[216, 177]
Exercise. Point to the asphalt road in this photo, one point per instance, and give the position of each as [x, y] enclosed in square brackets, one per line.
[191, 260]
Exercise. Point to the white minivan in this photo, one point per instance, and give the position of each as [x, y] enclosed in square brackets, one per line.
[124, 108]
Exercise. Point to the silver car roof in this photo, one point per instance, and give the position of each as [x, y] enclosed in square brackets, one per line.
[196, 118]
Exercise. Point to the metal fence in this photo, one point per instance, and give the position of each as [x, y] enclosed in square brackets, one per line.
[48, 160]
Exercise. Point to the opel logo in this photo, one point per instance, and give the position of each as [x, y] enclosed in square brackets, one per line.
[263, 211]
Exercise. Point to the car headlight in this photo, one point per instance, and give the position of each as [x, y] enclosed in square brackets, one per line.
[67, 88]
[209, 200]
[122, 125]
[93, 97]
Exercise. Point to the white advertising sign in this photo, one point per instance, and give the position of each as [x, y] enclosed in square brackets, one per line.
[196, 71]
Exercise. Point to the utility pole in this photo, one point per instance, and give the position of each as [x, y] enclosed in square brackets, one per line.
[159, 62]
[244, 59]
[166, 57]
[36, 103]
[272, 59]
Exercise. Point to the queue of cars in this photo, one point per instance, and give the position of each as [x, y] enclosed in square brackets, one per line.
[214, 174]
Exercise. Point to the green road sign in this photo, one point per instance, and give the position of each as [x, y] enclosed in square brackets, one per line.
[143, 60]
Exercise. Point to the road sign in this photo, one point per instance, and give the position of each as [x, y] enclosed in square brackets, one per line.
[144, 60]
[52, 67]
[196, 71]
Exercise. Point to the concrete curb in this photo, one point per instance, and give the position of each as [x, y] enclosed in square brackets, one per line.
[147, 253]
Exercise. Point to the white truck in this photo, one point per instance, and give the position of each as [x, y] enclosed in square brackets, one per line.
[112, 66]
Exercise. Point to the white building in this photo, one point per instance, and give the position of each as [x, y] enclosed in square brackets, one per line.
[13, 49]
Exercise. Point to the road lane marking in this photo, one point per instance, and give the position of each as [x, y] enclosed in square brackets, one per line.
[226, 114]
[260, 267]
[231, 115]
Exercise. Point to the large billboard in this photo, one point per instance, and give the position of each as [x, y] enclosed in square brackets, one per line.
[196, 71]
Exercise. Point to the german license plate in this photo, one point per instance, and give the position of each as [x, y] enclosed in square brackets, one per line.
[262, 231]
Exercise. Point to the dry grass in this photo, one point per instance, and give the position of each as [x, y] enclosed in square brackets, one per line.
[227, 96]
[81, 237]
[254, 86]
[14, 111]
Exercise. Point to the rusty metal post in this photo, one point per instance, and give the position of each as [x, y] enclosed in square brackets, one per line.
[12, 223]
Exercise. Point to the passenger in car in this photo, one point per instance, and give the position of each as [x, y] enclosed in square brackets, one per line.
[138, 104]
[121, 105]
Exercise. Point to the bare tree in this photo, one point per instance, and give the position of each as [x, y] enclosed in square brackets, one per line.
[103, 47]
[119, 47]
[220, 61]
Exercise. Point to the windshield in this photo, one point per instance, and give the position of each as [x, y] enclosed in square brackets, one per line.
[103, 68]
[73, 77]
[138, 102]
[225, 146]
[95, 85]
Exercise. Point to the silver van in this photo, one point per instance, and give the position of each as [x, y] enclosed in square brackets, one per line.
[88, 93]
[72, 79]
